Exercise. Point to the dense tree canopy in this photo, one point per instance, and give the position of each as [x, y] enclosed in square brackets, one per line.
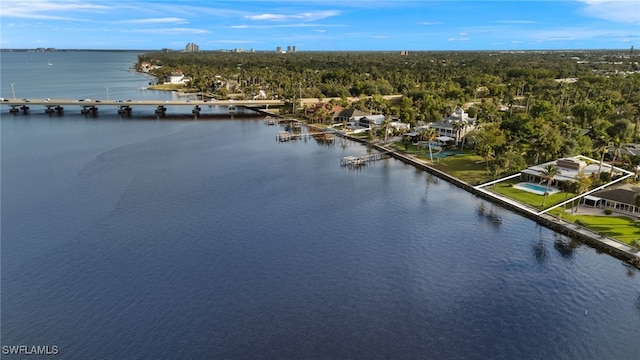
[532, 105]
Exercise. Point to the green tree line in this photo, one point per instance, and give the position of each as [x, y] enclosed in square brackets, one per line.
[532, 106]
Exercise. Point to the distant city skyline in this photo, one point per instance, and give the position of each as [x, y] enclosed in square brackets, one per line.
[320, 25]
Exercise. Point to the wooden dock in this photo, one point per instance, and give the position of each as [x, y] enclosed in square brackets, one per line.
[284, 136]
[358, 161]
[270, 120]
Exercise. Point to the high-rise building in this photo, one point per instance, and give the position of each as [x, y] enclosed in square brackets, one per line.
[191, 47]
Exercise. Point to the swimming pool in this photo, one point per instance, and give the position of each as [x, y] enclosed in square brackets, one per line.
[536, 188]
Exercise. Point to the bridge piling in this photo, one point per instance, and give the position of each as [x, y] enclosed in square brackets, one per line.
[124, 110]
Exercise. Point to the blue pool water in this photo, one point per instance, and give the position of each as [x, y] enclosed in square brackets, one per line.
[536, 188]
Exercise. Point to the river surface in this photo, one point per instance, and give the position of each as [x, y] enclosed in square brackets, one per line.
[137, 238]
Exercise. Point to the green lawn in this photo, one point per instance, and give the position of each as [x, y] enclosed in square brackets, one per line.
[168, 87]
[465, 166]
[618, 227]
[506, 188]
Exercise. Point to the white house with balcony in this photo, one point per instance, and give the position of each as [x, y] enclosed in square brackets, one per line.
[456, 126]
[177, 77]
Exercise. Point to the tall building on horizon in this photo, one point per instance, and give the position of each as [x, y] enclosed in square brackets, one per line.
[191, 47]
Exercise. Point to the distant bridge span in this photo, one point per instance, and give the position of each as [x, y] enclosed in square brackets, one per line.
[92, 106]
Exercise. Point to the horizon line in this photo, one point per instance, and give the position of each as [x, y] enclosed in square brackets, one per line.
[53, 49]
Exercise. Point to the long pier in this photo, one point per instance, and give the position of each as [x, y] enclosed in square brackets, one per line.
[358, 161]
[88, 106]
[284, 136]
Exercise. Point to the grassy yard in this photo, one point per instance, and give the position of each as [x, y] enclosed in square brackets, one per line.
[506, 188]
[620, 228]
[168, 87]
[465, 166]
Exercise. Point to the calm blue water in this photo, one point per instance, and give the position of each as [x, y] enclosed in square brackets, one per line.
[181, 239]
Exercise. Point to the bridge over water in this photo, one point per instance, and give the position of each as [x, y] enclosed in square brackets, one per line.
[125, 107]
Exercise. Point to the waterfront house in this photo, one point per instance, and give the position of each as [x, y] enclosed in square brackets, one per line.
[348, 115]
[370, 120]
[569, 170]
[400, 126]
[177, 77]
[456, 126]
[623, 199]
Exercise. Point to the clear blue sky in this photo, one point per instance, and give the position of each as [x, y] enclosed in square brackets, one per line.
[321, 25]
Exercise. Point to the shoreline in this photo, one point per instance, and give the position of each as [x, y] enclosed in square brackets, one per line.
[605, 244]
[612, 247]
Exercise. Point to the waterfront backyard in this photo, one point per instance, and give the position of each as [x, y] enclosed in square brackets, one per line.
[465, 165]
[469, 167]
[619, 227]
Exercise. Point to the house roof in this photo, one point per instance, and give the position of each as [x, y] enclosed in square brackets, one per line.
[458, 116]
[349, 113]
[629, 149]
[567, 174]
[623, 194]
[378, 119]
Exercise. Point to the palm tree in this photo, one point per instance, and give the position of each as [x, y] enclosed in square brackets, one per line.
[458, 126]
[617, 147]
[548, 173]
[582, 185]
[601, 144]
[431, 134]
[385, 125]
[487, 153]
[422, 136]
[406, 140]
[567, 187]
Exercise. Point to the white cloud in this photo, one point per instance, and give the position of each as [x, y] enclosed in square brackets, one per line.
[305, 16]
[430, 23]
[50, 10]
[288, 25]
[627, 11]
[164, 20]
